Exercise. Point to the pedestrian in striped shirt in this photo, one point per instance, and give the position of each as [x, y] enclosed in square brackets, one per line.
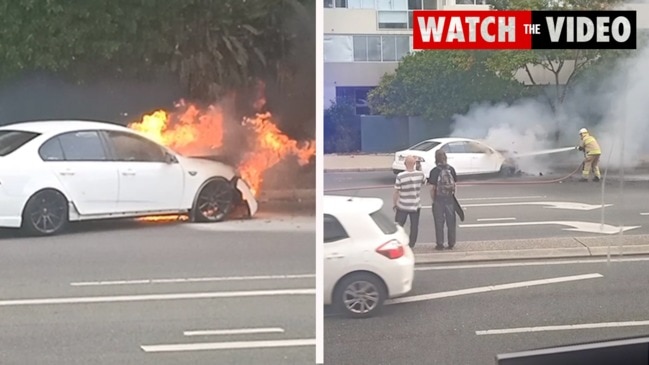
[407, 197]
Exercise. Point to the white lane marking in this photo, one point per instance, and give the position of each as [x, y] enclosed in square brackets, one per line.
[551, 205]
[562, 327]
[530, 263]
[228, 345]
[644, 213]
[505, 198]
[495, 219]
[192, 280]
[577, 226]
[484, 289]
[239, 331]
[149, 297]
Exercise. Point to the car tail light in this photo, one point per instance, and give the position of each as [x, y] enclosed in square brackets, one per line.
[391, 249]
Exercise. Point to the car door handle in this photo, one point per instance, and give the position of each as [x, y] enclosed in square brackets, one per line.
[66, 173]
[128, 173]
[335, 256]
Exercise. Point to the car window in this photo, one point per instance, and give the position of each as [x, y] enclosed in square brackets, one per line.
[10, 141]
[455, 147]
[474, 147]
[52, 150]
[387, 225]
[424, 146]
[333, 231]
[130, 147]
[82, 146]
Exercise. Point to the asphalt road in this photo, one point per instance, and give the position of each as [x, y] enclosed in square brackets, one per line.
[457, 328]
[129, 292]
[516, 210]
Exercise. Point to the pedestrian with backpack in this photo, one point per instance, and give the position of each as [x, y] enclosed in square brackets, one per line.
[443, 180]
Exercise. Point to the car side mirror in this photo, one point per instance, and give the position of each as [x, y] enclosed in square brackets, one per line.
[169, 158]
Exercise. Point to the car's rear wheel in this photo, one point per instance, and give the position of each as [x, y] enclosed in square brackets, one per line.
[46, 213]
[360, 295]
[214, 201]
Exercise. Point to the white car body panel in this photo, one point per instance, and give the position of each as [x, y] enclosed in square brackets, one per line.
[465, 163]
[358, 251]
[104, 189]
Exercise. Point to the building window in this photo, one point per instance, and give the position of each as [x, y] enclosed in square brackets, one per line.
[392, 4]
[387, 48]
[355, 95]
[338, 48]
[359, 4]
[389, 19]
[367, 48]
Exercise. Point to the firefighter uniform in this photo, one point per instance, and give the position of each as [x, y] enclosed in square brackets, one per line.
[592, 153]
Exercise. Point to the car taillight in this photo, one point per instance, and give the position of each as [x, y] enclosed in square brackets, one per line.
[391, 249]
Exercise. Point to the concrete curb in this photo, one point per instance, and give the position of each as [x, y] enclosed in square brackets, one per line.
[528, 254]
[287, 195]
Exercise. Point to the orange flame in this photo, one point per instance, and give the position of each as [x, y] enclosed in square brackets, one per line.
[190, 130]
[271, 147]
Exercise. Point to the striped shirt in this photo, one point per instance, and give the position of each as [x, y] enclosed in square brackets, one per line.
[409, 184]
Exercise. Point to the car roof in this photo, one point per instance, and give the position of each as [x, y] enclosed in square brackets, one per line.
[333, 204]
[62, 126]
[449, 139]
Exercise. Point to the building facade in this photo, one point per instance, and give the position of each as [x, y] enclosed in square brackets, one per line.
[365, 39]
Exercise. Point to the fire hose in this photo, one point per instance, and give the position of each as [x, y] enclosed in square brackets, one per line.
[545, 181]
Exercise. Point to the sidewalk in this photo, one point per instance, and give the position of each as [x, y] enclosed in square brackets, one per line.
[527, 249]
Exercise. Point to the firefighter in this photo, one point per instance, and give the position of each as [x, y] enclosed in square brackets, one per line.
[592, 153]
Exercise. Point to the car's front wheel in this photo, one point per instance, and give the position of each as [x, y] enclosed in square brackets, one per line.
[360, 295]
[507, 170]
[46, 213]
[214, 201]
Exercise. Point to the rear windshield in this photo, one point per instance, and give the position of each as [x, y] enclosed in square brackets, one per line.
[387, 225]
[424, 146]
[13, 140]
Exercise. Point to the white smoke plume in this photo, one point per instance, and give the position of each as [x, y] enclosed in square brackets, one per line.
[621, 102]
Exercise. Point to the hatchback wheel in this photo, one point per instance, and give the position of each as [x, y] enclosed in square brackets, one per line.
[46, 213]
[360, 295]
[214, 201]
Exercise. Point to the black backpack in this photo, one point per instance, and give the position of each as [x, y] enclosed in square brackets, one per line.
[445, 182]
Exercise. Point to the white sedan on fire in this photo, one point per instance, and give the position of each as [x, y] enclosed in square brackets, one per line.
[54, 172]
[467, 156]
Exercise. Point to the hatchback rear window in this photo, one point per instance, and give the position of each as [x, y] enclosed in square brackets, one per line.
[387, 225]
[10, 141]
[424, 146]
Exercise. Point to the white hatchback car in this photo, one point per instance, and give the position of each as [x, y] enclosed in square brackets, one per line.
[467, 156]
[366, 256]
[53, 172]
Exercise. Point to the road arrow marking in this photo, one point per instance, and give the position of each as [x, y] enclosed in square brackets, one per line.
[587, 227]
[484, 289]
[551, 205]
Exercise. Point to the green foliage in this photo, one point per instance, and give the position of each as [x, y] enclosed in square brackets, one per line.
[342, 129]
[211, 46]
[436, 85]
